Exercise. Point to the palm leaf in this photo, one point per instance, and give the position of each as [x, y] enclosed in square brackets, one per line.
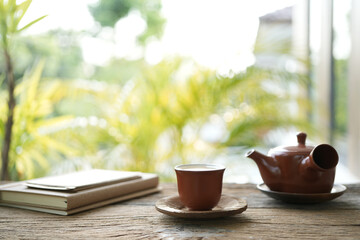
[53, 122]
[22, 8]
[39, 158]
[30, 24]
[56, 145]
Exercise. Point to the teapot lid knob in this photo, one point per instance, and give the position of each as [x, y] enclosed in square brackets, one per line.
[301, 137]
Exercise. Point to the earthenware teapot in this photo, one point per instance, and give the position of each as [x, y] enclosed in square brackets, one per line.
[298, 169]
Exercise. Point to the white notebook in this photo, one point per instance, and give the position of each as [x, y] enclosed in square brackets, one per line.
[82, 180]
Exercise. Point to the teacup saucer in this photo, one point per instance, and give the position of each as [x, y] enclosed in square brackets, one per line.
[227, 206]
[303, 198]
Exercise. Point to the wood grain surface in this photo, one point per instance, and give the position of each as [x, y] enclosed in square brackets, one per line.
[265, 218]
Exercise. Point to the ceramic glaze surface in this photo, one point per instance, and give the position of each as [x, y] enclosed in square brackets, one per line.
[298, 169]
[199, 189]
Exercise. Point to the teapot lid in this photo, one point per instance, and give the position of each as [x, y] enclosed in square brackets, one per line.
[301, 148]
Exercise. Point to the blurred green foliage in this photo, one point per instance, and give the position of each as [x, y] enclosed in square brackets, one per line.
[11, 14]
[59, 48]
[144, 123]
[341, 112]
[108, 12]
[33, 146]
[136, 116]
[148, 117]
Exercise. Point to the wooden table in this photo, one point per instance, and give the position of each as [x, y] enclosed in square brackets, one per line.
[265, 218]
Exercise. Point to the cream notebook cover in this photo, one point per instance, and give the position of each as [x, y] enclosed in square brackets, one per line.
[82, 180]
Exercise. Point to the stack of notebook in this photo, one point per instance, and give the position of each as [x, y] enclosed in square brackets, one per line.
[76, 192]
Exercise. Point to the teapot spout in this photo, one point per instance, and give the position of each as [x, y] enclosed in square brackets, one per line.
[322, 158]
[319, 165]
[260, 159]
[267, 165]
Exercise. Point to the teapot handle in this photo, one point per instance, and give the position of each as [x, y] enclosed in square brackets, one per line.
[301, 137]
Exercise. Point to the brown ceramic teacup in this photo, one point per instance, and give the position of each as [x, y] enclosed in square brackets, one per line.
[199, 185]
